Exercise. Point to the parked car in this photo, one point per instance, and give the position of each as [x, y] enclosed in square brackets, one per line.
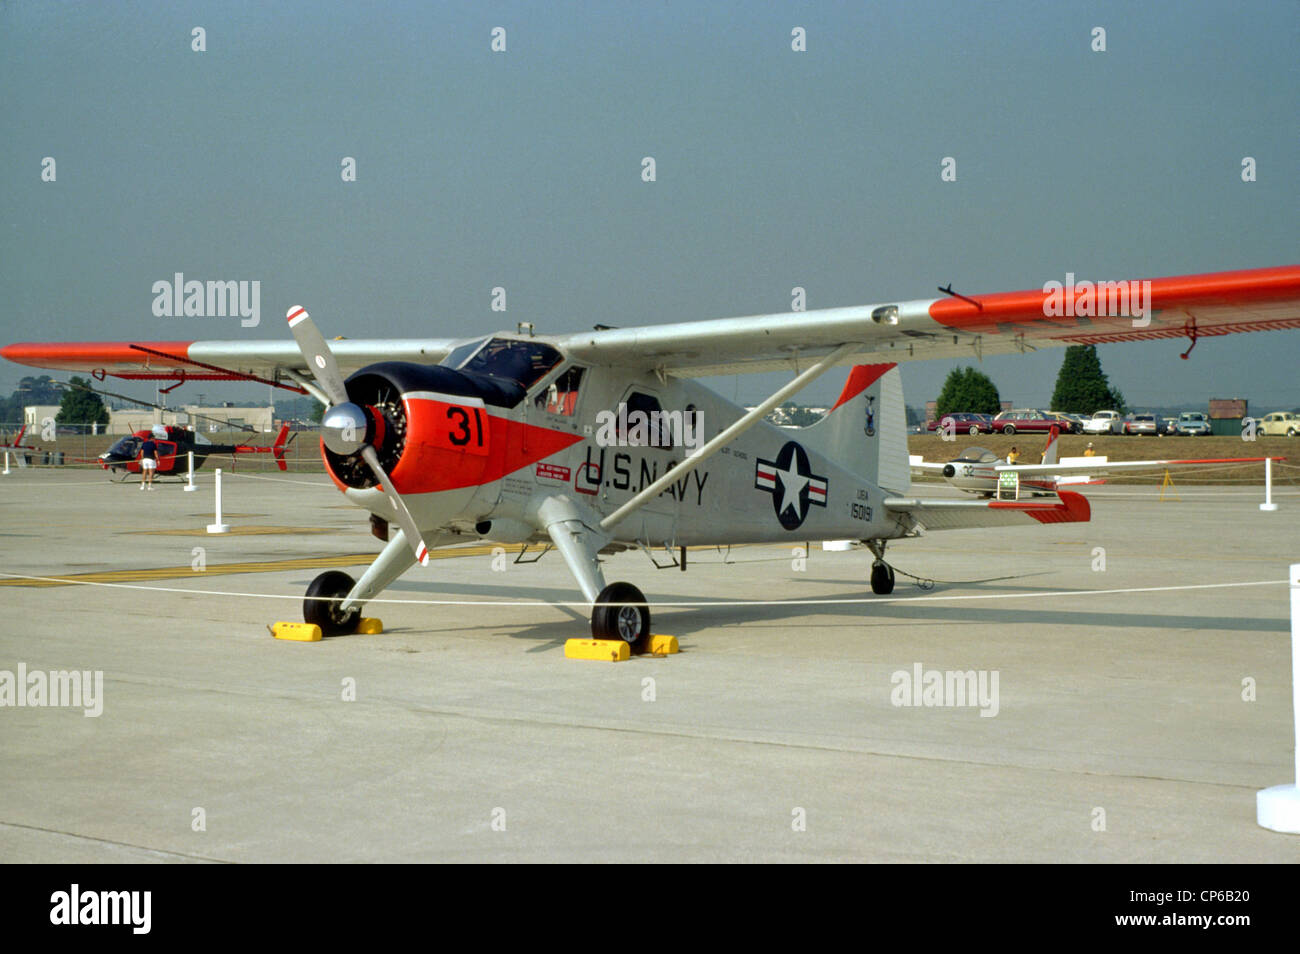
[1069, 425]
[1169, 425]
[965, 423]
[1027, 420]
[1103, 422]
[1142, 424]
[1193, 424]
[1278, 424]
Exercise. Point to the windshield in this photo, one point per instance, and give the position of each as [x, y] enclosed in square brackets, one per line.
[976, 455]
[126, 447]
[522, 361]
[458, 355]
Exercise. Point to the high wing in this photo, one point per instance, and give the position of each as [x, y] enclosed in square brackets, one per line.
[216, 360]
[1192, 306]
[1188, 306]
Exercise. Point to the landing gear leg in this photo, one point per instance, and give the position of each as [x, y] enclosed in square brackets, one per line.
[882, 574]
[615, 614]
[334, 600]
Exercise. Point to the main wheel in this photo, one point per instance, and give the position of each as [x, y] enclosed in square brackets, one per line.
[615, 617]
[322, 604]
[882, 579]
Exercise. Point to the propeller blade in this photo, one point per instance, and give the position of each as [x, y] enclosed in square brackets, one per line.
[320, 360]
[409, 529]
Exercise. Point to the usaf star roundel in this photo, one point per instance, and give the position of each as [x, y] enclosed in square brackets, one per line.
[792, 484]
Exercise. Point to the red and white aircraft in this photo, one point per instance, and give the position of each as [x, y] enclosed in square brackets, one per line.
[979, 471]
[519, 438]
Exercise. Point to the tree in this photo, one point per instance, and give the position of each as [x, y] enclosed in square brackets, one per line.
[1081, 386]
[39, 390]
[80, 405]
[968, 391]
[31, 390]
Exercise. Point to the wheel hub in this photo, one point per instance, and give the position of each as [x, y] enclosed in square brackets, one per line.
[629, 623]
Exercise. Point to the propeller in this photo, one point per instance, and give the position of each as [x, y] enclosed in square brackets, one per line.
[345, 425]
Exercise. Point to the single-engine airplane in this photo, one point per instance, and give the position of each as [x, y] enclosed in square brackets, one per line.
[977, 470]
[508, 438]
[173, 447]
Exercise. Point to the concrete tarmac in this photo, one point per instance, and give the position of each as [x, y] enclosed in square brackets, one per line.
[1121, 733]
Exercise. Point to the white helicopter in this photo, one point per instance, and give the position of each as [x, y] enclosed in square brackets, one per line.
[588, 441]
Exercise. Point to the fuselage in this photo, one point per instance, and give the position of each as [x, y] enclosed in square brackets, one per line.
[485, 468]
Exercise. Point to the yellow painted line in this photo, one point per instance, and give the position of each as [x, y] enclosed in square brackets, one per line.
[227, 569]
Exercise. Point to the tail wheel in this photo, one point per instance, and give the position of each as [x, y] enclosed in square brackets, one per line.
[615, 616]
[322, 604]
[882, 579]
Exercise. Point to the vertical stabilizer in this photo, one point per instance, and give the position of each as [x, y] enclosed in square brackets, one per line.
[866, 430]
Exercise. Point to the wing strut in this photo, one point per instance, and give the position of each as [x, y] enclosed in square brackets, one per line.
[726, 436]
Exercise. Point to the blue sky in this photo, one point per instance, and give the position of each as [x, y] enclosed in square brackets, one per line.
[522, 169]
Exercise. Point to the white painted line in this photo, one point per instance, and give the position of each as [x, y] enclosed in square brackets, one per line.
[697, 604]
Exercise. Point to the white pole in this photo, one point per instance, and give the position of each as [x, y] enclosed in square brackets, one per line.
[6, 470]
[218, 527]
[190, 483]
[1268, 486]
[1278, 808]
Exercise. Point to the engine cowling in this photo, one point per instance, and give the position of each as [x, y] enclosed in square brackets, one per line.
[430, 426]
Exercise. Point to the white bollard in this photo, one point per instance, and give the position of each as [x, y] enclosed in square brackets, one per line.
[218, 527]
[6, 470]
[1278, 807]
[1268, 486]
[190, 483]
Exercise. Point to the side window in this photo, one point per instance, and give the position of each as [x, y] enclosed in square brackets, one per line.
[561, 397]
[646, 425]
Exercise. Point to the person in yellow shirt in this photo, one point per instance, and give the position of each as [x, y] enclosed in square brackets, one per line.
[1089, 452]
[1014, 456]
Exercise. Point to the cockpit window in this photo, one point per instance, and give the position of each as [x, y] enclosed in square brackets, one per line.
[524, 362]
[126, 447]
[977, 455]
[458, 355]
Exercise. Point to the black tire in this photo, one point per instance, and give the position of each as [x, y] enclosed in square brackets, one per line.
[318, 608]
[615, 617]
[1009, 429]
[973, 430]
[882, 579]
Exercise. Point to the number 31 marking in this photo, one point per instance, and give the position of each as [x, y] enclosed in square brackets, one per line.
[462, 432]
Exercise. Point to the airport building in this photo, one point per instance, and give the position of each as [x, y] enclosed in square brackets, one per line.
[193, 416]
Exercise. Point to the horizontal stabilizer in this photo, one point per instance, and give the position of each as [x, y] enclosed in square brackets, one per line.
[958, 514]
